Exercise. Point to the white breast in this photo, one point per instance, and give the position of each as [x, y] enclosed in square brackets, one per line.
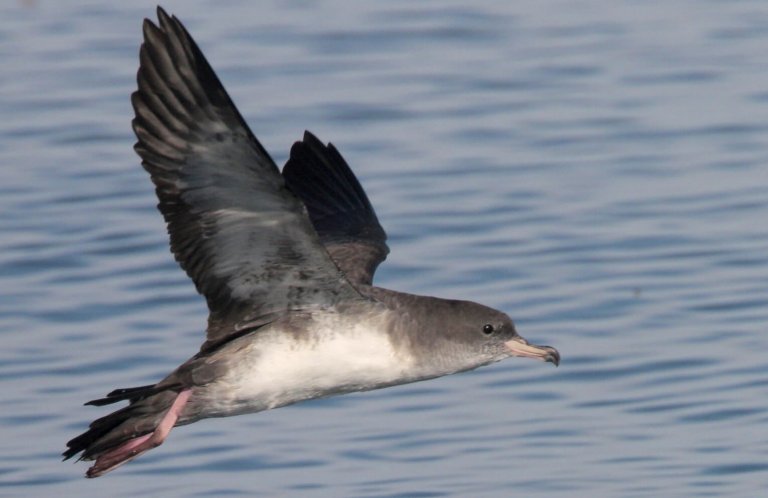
[278, 367]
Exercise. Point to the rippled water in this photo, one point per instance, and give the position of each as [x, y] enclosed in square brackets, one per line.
[597, 169]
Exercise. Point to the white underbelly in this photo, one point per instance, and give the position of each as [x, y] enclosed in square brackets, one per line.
[279, 368]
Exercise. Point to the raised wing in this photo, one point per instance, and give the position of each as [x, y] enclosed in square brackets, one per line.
[239, 233]
[338, 207]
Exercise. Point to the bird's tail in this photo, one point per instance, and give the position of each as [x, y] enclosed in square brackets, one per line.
[126, 433]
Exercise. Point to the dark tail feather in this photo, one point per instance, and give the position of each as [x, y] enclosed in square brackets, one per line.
[130, 393]
[97, 430]
[148, 404]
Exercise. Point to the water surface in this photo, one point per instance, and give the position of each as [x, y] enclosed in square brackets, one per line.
[595, 169]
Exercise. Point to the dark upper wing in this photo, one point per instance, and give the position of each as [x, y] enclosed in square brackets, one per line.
[338, 207]
[244, 239]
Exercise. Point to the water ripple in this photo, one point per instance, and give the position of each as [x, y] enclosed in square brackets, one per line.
[597, 173]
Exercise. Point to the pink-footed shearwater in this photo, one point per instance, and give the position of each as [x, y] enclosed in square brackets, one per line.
[285, 262]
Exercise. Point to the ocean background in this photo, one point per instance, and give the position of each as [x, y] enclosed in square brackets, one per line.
[596, 169]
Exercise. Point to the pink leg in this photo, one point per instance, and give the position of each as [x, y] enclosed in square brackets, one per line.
[134, 447]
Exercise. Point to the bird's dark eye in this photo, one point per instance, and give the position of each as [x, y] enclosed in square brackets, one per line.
[488, 329]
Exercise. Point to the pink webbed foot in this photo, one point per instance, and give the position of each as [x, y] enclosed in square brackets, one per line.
[132, 448]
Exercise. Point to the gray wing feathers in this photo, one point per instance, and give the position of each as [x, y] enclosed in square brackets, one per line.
[244, 239]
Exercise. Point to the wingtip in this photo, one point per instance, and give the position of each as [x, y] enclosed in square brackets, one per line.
[308, 141]
[308, 135]
[311, 140]
[161, 13]
[149, 30]
[147, 24]
[165, 22]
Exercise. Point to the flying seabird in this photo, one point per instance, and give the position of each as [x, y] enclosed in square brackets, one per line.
[286, 264]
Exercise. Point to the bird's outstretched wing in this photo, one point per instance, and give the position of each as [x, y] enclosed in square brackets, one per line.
[239, 233]
[338, 207]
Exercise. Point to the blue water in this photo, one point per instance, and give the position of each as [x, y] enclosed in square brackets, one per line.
[599, 170]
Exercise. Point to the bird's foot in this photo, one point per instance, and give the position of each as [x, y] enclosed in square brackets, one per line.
[132, 448]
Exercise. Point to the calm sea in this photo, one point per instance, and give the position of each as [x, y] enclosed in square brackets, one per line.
[597, 169]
